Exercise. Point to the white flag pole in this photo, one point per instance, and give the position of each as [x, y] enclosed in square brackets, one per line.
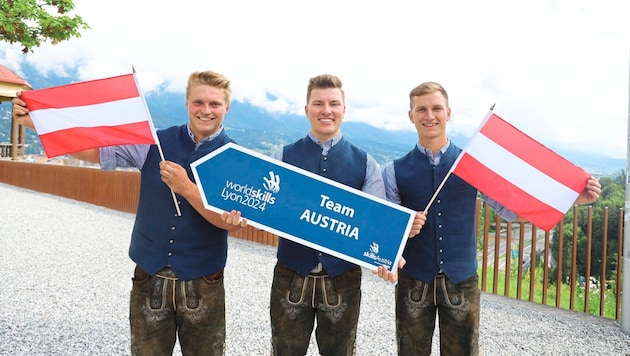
[156, 139]
[450, 171]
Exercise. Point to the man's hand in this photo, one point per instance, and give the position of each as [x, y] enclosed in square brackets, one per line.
[384, 274]
[234, 218]
[418, 222]
[590, 193]
[176, 177]
[20, 112]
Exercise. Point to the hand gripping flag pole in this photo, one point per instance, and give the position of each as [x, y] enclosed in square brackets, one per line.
[159, 146]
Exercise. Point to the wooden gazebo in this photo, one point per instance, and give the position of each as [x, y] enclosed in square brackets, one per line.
[10, 84]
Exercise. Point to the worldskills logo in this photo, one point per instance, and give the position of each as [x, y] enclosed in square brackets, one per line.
[272, 184]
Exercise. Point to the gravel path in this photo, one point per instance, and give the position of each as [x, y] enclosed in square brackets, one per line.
[66, 281]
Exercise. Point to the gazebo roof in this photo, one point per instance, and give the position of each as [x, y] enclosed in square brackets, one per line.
[10, 84]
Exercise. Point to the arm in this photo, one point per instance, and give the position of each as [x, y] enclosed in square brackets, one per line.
[176, 178]
[373, 181]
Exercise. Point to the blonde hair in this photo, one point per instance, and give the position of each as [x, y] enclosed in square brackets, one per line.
[212, 79]
[427, 88]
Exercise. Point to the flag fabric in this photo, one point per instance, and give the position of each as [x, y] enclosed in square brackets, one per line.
[520, 173]
[98, 113]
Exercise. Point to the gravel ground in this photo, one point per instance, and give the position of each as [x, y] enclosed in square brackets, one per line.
[66, 281]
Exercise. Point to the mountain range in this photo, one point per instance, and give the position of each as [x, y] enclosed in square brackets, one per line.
[257, 129]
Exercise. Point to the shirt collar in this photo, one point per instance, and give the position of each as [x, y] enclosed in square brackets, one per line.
[205, 139]
[434, 159]
[325, 146]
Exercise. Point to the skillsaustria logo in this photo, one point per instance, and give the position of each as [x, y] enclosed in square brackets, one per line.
[373, 255]
[255, 198]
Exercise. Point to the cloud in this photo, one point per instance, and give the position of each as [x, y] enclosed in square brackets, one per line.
[556, 70]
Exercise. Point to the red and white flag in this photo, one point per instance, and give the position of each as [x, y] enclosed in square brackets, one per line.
[520, 173]
[98, 113]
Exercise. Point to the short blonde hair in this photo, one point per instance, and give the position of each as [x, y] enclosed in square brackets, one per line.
[212, 79]
[427, 88]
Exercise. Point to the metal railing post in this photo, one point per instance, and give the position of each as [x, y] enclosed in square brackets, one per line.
[625, 301]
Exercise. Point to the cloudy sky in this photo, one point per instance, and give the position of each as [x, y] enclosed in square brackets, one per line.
[557, 70]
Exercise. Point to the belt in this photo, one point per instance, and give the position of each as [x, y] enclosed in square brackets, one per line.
[168, 273]
[318, 271]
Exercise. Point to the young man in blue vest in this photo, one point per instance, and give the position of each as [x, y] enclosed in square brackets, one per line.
[178, 280]
[310, 285]
[440, 273]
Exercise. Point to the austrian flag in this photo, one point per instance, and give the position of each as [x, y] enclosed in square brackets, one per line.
[520, 173]
[105, 112]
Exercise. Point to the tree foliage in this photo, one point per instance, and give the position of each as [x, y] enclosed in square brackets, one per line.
[612, 198]
[33, 22]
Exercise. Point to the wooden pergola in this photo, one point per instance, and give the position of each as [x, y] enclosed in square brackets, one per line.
[10, 84]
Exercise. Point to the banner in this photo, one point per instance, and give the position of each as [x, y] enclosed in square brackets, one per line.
[304, 207]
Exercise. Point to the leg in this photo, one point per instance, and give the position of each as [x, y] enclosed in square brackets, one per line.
[201, 315]
[338, 301]
[151, 315]
[459, 316]
[292, 315]
[415, 315]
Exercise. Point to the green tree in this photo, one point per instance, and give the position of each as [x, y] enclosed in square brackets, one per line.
[33, 22]
[613, 198]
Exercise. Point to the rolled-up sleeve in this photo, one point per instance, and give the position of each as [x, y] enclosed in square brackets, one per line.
[373, 182]
[504, 213]
[126, 156]
[389, 181]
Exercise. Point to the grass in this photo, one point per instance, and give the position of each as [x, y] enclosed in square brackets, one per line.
[609, 310]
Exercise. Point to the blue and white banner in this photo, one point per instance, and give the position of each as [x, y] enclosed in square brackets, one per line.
[303, 207]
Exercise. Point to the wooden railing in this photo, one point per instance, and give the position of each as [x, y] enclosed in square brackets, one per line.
[510, 254]
[112, 189]
[119, 190]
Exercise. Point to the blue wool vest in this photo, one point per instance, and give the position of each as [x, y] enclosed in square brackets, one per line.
[345, 163]
[447, 239]
[188, 243]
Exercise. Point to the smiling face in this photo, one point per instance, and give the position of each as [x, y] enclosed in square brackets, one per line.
[325, 111]
[207, 106]
[429, 114]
